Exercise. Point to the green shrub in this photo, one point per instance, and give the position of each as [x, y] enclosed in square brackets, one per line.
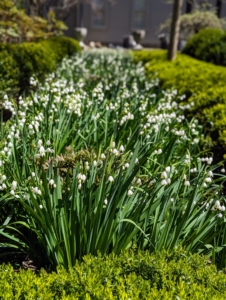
[175, 275]
[197, 20]
[201, 82]
[16, 26]
[32, 58]
[9, 73]
[208, 45]
[63, 46]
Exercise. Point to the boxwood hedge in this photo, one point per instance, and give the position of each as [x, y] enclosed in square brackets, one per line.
[202, 83]
[21, 61]
[131, 275]
[208, 45]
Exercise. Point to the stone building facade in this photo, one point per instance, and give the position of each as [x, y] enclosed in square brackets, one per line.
[113, 21]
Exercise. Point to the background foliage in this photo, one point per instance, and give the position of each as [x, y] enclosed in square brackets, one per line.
[208, 45]
[16, 26]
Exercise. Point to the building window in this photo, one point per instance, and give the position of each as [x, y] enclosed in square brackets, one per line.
[98, 13]
[139, 14]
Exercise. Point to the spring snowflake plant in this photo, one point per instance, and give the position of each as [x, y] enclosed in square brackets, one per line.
[100, 158]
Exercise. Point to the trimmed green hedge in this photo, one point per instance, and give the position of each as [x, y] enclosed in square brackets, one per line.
[175, 275]
[208, 45]
[32, 58]
[9, 73]
[202, 83]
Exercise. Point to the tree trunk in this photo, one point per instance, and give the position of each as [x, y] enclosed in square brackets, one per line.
[219, 4]
[175, 29]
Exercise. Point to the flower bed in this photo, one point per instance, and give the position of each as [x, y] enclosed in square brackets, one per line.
[98, 159]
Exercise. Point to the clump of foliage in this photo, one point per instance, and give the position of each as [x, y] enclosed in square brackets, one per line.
[16, 26]
[22, 61]
[208, 45]
[130, 275]
[195, 21]
[9, 73]
[203, 85]
[96, 162]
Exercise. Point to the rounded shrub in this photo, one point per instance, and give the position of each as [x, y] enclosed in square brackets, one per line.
[9, 73]
[62, 46]
[208, 45]
[32, 59]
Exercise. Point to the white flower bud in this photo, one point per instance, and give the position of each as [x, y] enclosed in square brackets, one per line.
[51, 182]
[130, 193]
[164, 182]
[168, 169]
[110, 178]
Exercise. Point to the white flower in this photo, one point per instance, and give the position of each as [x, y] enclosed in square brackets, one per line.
[130, 193]
[217, 203]
[51, 182]
[102, 156]
[210, 173]
[168, 169]
[12, 192]
[208, 179]
[164, 175]
[79, 176]
[204, 184]
[83, 177]
[79, 186]
[168, 180]
[122, 149]
[163, 182]
[40, 206]
[39, 143]
[222, 208]
[105, 201]
[127, 165]
[115, 151]
[3, 177]
[159, 151]
[36, 190]
[139, 181]
[94, 163]
[42, 151]
[48, 143]
[110, 178]
[186, 183]
[33, 174]
[209, 161]
[223, 170]
[13, 185]
[220, 215]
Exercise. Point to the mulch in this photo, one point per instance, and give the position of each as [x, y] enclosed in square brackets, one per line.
[19, 261]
